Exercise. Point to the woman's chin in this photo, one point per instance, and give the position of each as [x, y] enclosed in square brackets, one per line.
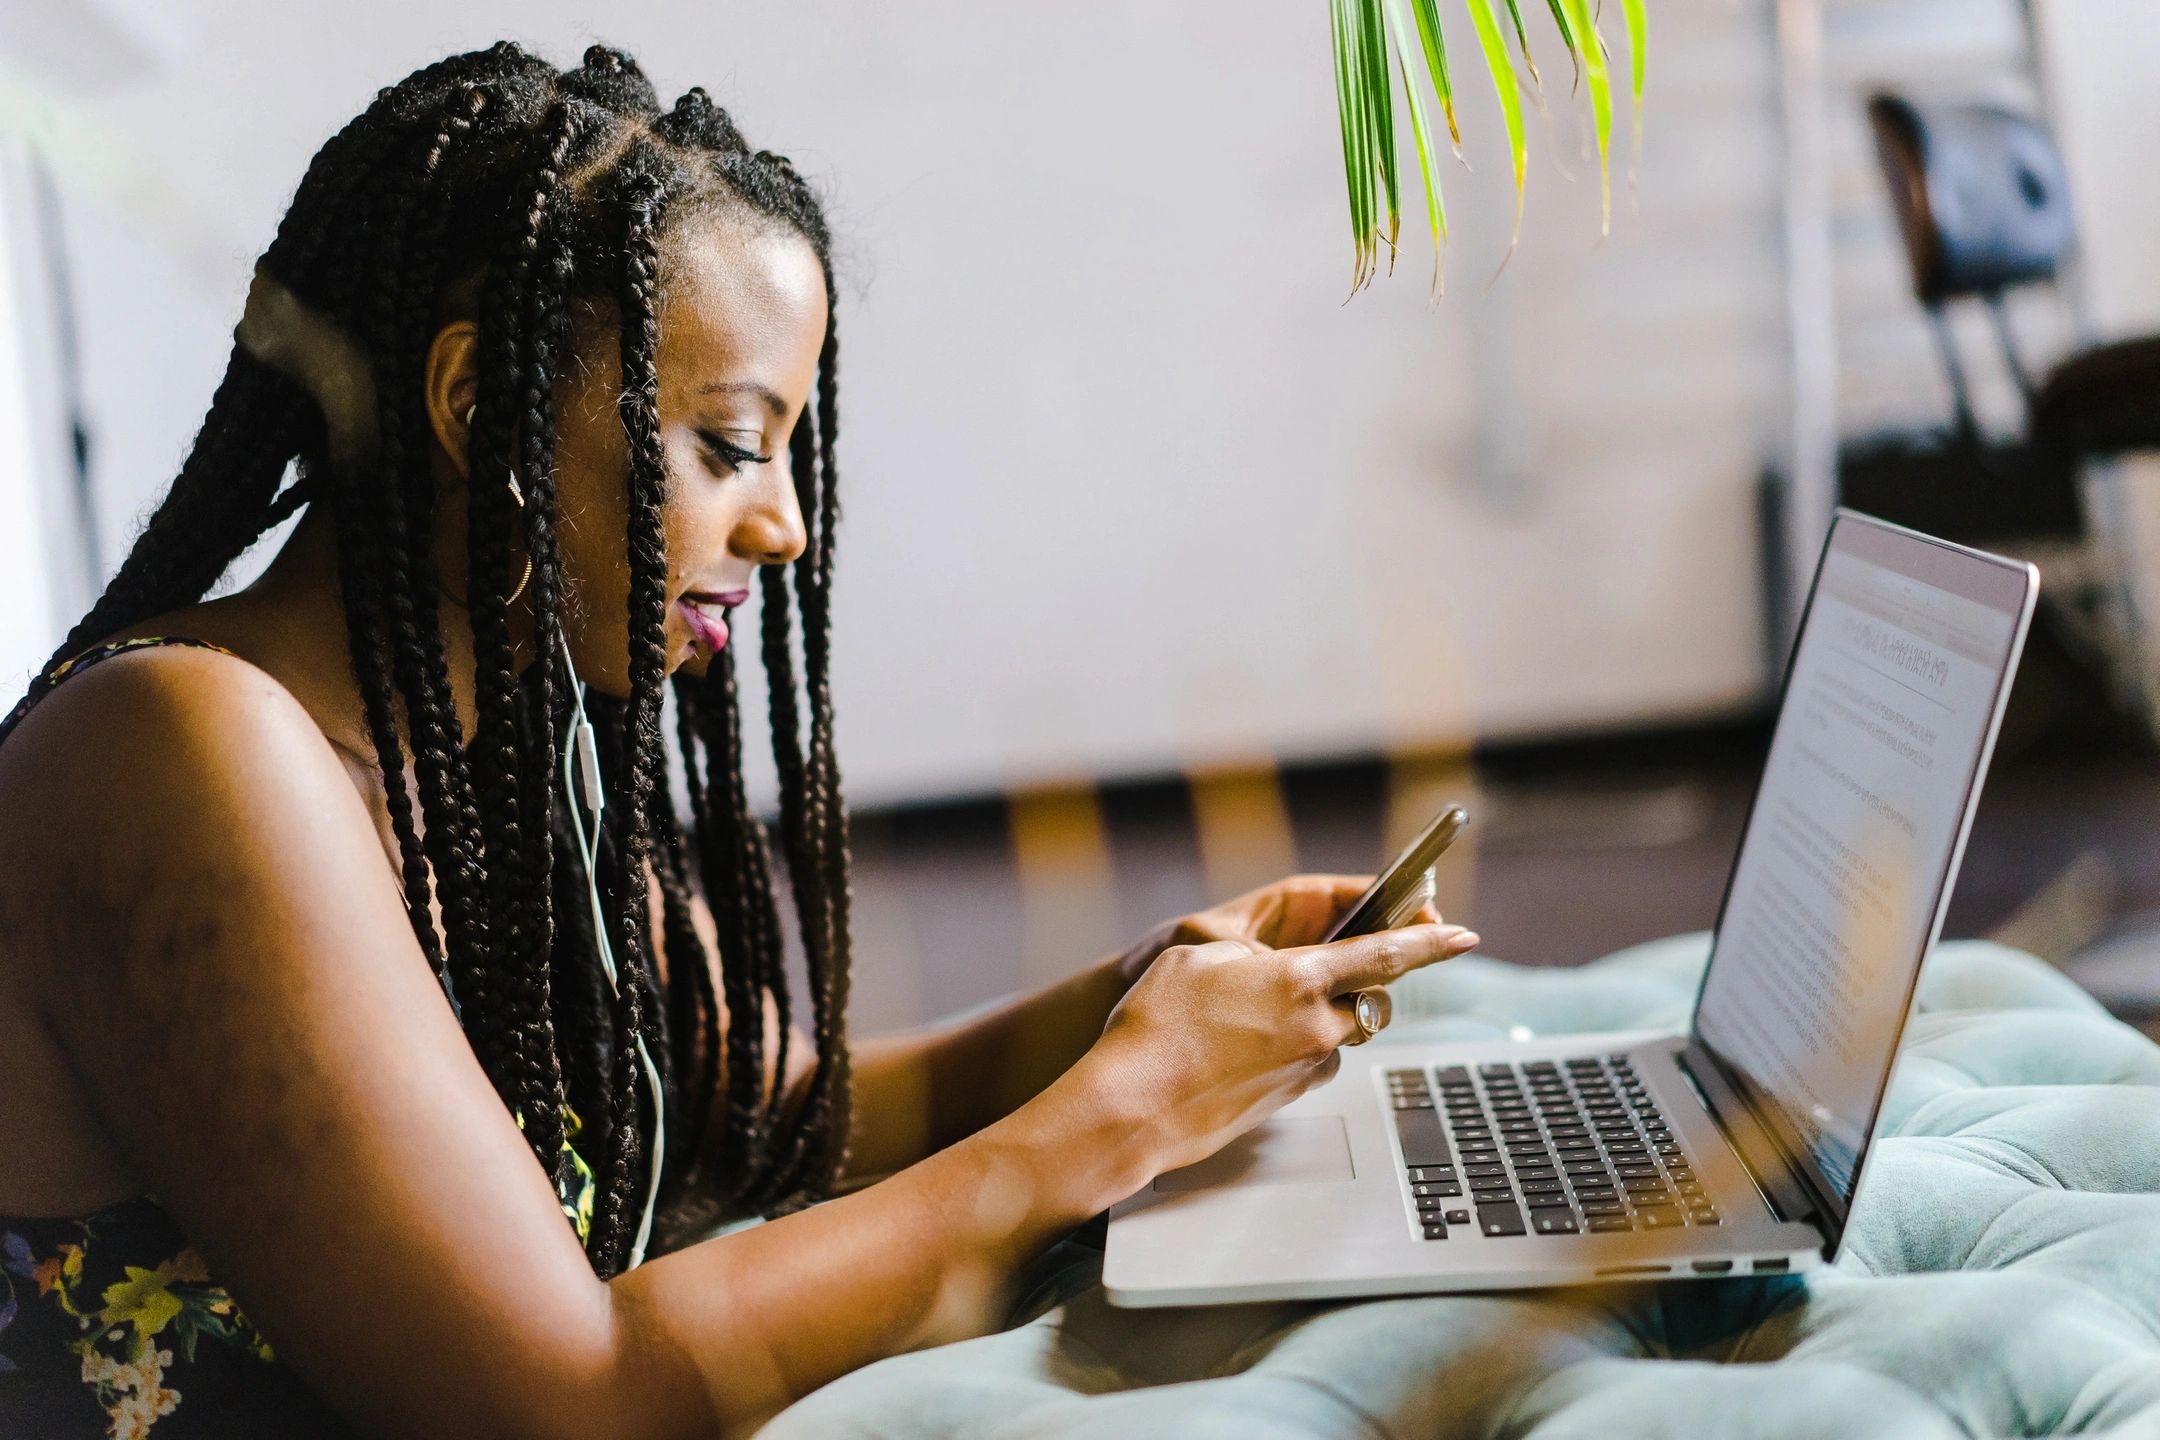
[693, 660]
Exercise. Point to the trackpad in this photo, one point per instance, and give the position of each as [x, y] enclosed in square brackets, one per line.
[1305, 1149]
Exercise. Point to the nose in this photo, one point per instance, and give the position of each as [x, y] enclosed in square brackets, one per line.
[771, 532]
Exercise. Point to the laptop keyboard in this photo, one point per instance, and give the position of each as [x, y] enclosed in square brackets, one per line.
[1551, 1147]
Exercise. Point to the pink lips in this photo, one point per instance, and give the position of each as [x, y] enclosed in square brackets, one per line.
[705, 613]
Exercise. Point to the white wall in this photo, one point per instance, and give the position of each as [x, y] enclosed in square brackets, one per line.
[29, 608]
[2101, 57]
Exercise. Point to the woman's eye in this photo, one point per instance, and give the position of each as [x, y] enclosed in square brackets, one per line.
[730, 454]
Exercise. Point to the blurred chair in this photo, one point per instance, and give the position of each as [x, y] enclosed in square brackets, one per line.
[1983, 201]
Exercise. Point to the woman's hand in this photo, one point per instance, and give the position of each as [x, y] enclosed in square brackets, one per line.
[1292, 912]
[1217, 1036]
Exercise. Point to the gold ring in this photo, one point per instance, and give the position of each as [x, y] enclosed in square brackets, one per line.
[1371, 1009]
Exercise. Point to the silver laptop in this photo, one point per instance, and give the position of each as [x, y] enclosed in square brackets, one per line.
[1734, 1148]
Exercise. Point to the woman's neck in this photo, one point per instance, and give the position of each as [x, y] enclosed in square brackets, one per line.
[295, 611]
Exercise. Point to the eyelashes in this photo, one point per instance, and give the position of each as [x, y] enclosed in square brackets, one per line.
[730, 455]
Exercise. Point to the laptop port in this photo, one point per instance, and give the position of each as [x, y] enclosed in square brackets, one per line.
[1712, 1267]
[1635, 1270]
[1774, 1266]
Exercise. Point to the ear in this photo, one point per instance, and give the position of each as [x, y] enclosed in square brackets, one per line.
[451, 385]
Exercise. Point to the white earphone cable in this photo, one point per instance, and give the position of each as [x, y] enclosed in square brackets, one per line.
[581, 780]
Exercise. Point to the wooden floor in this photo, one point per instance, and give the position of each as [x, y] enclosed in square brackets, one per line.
[1577, 849]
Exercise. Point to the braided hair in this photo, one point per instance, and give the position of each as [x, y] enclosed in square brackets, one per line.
[535, 189]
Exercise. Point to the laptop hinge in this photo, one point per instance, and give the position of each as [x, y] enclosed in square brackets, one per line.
[1788, 1196]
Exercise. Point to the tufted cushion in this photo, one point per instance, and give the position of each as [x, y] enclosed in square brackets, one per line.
[2001, 1277]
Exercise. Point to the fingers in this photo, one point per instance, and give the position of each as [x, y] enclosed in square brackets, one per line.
[1306, 905]
[1325, 1070]
[1383, 957]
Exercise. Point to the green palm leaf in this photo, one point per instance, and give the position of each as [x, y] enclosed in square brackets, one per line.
[1380, 112]
[1429, 36]
[1350, 108]
[1567, 36]
[1367, 34]
[1638, 37]
[1435, 208]
[1522, 43]
[1502, 66]
[1590, 46]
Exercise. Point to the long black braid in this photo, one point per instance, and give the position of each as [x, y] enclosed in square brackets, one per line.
[494, 181]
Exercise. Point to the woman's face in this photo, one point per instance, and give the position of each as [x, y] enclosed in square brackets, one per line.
[742, 318]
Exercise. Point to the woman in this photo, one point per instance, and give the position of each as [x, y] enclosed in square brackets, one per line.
[557, 367]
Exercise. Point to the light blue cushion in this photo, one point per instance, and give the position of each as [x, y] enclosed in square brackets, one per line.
[2002, 1275]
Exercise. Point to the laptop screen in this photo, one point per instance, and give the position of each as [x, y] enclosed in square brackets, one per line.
[1889, 710]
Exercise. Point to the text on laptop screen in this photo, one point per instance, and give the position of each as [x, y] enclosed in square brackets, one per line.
[1834, 898]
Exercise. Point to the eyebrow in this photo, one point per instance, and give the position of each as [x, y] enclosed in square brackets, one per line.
[748, 387]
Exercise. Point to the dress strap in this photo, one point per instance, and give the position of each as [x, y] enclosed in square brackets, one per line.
[46, 683]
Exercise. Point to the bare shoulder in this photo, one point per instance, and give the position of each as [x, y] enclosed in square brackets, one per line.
[151, 782]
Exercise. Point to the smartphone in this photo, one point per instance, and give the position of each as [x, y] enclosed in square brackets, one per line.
[1405, 885]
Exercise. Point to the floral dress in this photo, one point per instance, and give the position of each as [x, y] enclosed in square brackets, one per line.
[110, 1324]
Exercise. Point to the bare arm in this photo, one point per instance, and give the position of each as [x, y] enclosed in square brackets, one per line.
[925, 1089]
[226, 961]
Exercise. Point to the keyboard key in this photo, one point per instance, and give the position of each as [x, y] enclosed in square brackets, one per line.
[1458, 1217]
[1603, 1224]
[1407, 1076]
[1424, 1142]
[1546, 1202]
[1538, 1187]
[1603, 1207]
[1452, 1075]
[1553, 1222]
[1636, 1172]
[1500, 1219]
[1536, 1172]
[1432, 1172]
[1477, 1172]
[1436, 1232]
[1574, 1146]
[1413, 1102]
[1429, 1202]
[1703, 1215]
[1658, 1217]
